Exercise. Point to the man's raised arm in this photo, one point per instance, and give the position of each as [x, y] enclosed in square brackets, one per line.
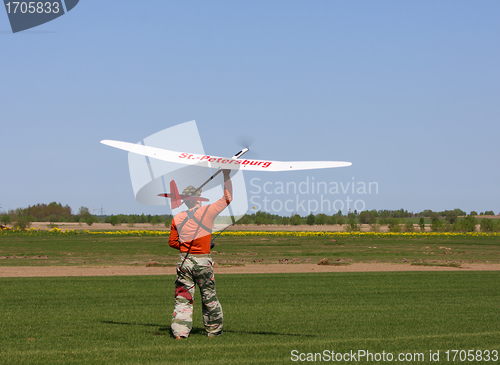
[228, 186]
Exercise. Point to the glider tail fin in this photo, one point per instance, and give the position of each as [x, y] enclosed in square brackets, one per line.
[175, 200]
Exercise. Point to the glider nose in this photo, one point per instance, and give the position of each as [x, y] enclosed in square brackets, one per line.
[241, 153]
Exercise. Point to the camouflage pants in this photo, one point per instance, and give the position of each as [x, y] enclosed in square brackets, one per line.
[195, 270]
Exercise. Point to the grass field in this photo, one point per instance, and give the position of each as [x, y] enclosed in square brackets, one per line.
[269, 318]
[41, 249]
[125, 320]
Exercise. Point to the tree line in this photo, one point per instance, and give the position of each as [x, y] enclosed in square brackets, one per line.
[446, 221]
[56, 212]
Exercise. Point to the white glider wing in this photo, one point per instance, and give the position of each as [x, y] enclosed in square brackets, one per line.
[223, 162]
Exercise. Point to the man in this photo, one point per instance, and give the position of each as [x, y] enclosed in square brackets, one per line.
[191, 234]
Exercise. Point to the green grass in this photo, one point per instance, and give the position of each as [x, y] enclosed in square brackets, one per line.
[126, 320]
[44, 249]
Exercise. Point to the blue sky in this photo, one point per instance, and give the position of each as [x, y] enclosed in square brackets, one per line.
[407, 91]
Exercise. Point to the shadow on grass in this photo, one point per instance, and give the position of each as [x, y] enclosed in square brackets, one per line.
[268, 333]
[165, 330]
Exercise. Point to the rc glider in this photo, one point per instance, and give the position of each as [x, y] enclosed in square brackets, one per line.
[193, 168]
[219, 163]
[223, 162]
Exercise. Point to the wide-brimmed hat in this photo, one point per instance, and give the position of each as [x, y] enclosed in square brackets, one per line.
[191, 191]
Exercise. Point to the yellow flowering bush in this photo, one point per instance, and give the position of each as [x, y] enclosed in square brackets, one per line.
[58, 231]
[358, 234]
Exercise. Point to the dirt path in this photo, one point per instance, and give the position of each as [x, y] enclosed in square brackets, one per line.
[45, 271]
